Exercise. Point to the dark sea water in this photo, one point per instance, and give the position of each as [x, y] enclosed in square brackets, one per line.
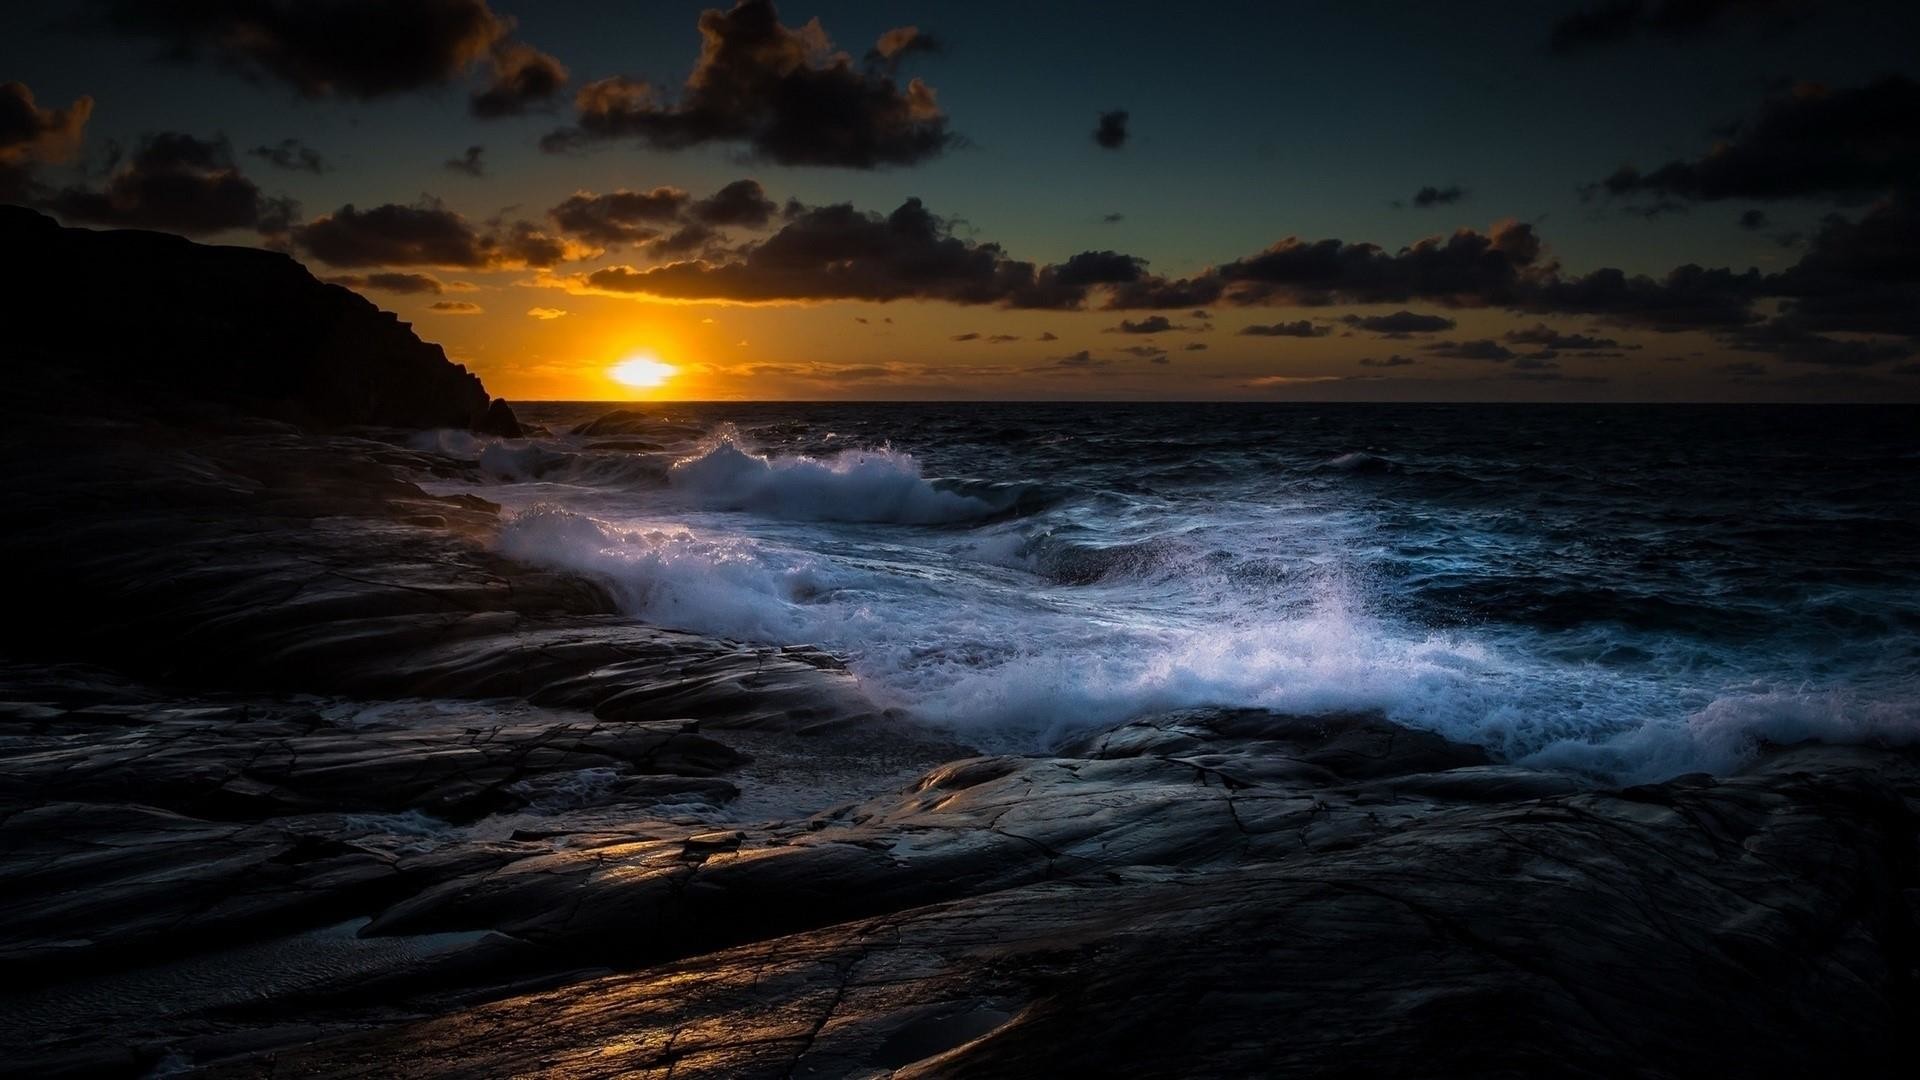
[1632, 591]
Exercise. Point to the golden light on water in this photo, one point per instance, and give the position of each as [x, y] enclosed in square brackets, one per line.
[641, 372]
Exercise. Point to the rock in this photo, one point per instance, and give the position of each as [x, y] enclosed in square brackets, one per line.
[240, 328]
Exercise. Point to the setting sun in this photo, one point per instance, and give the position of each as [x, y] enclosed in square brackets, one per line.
[641, 372]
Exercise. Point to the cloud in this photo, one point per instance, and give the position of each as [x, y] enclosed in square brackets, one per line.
[1467, 268]
[1754, 219]
[839, 253]
[1195, 346]
[1396, 360]
[31, 133]
[742, 203]
[1481, 349]
[178, 183]
[1002, 339]
[472, 163]
[1146, 352]
[427, 234]
[1112, 219]
[292, 155]
[782, 91]
[1400, 323]
[899, 43]
[341, 48]
[1611, 22]
[1082, 361]
[521, 77]
[546, 314]
[454, 307]
[1111, 133]
[968, 336]
[1687, 298]
[1811, 143]
[1548, 338]
[1431, 196]
[1153, 324]
[1299, 328]
[1743, 370]
[1047, 335]
[1798, 345]
[619, 216]
[393, 282]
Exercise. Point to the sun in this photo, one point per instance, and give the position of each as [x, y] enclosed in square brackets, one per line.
[641, 372]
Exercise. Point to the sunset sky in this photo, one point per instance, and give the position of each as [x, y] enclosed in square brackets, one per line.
[1658, 200]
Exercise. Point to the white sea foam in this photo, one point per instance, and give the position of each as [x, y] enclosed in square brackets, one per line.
[853, 485]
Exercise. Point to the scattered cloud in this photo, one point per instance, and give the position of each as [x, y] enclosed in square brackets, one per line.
[1299, 328]
[178, 183]
[454, 307]
[472, 162]
[1111, 132]
[742, 203]
[521, 77]
[292, 155]
[1154, 324]
[394, 282]
[1400, 324]
[342, 48]
[1481, 349]
[1431, 196]
[427, 234]
[1396, 360]
[1812, 142]
[546, 314]
[783, 92]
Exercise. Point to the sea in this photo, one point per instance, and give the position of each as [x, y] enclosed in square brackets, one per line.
[1628, 592]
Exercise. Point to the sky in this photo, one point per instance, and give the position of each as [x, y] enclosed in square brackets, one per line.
[1639, 200]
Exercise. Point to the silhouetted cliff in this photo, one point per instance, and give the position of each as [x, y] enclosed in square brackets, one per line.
[120, 315]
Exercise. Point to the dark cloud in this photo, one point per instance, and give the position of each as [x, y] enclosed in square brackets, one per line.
[1481, 349]
[521, 77]
[1743, 370]
[1688, 298]
[393, 282]
[1112, 219]
[1548, 338]
[1754, 220]
[425, 234]
[1111, 132]
[1431, 196]
[1400, 323]
[1300, 328]
[29, 132]
[454, 307]
[742, 203]
[335, 48]
[1196, 346]
[1795, 344]
[970, 335]
[1080, 361]
[782, 91]
[1468, 269]
[473, 162]
[899, 43]
[1002, 339]
[686, 240]
[839, 253]
[1153, 324]
[1810, 143]
[619, 217]
[1047, 335]
[1146, 352]
[292, 155]
[1396, 360]
[1611, 22]
[178, 183]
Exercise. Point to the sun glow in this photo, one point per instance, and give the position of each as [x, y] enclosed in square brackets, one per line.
[641, 372]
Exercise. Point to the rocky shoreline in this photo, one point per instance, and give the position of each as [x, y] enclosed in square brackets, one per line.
[299, 778]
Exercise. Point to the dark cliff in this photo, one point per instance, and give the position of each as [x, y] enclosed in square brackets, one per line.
[98, 316]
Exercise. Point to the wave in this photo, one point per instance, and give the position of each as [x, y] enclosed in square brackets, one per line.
[853, 485]
[533, 462]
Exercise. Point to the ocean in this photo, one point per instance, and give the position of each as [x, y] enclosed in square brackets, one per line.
[1630, 592]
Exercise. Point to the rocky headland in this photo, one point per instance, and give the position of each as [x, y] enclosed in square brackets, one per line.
[298, 777]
